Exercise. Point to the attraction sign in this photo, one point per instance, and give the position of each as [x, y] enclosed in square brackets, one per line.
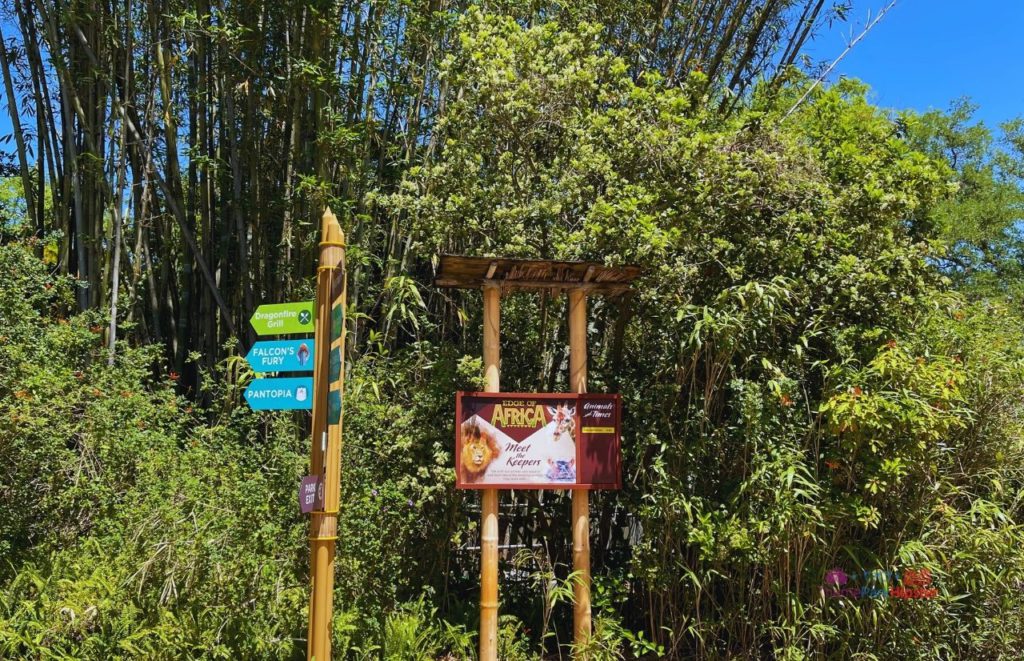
[283, 318]
[538, 441]
[291, 393]
[281, 356]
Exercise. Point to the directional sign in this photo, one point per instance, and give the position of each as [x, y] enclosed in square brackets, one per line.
[294, 393]
[281, 356]
[311, 494]
[283, 318]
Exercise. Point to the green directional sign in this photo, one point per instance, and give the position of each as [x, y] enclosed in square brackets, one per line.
[283, 318]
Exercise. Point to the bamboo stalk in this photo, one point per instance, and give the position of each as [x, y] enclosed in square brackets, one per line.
[118, 219]
[489, 497]
[580, 497]
[19, 136]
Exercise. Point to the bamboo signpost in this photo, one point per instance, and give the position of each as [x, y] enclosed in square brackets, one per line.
[319, 492]
[538, 440]
[489, 498]
[325, 458]
[580, 497]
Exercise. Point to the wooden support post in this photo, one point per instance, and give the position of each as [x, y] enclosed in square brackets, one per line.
[489, 497]
[325, 458]
[580, 497]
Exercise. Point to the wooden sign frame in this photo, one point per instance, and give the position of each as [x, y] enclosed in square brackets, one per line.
[577, 279]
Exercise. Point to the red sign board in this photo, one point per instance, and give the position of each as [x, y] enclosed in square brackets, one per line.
[538, 441]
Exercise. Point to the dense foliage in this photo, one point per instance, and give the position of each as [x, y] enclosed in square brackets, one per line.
[822, 368]
[176, 156]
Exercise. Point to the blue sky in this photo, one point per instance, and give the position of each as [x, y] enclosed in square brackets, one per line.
[925, 53]
[922, 55]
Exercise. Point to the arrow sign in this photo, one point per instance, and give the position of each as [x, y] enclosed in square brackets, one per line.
[283, 318]
[281, 356]
[294, 393]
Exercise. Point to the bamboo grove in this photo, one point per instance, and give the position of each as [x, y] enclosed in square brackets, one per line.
[182, 151]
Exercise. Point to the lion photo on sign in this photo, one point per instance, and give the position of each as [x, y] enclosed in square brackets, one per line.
[479, 449]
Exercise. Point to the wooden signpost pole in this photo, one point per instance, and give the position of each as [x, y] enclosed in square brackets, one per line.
[489, 497]
[580, 497]
[325, 458]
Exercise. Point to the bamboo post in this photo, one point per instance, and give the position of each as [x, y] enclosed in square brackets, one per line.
[580, 497]
[325, 458]
[489, 497]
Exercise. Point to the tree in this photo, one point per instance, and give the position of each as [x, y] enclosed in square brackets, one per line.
[981, 219]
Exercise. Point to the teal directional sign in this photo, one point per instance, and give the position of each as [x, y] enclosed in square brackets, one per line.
[281, 356]
[292, 393]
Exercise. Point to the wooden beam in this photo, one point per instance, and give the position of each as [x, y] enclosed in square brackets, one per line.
[469, 272]
[512, 285]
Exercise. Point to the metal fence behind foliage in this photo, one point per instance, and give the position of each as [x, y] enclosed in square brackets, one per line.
[535, 534]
